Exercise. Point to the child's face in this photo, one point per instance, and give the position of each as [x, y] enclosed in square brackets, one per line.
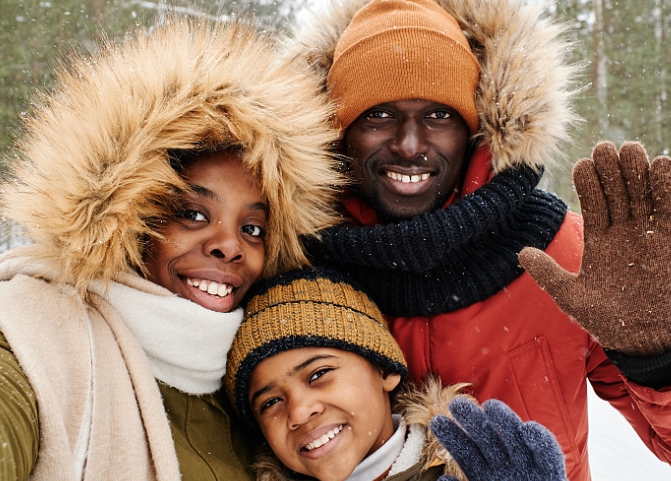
[322, 410]
[214, 248]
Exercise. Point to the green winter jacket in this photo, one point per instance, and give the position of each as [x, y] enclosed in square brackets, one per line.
[197, 424]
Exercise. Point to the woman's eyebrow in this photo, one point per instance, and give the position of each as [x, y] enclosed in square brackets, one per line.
[208, 194]
[204, 192]
[259, 206]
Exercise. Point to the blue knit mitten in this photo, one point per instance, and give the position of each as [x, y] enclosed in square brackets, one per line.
[492, 443]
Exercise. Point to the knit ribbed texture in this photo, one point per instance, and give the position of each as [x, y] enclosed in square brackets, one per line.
[452, 258]
[393, 246]
[307, 308]
[650, 371]
[395, 50]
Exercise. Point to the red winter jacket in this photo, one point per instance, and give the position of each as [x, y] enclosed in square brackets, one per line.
[517, 346]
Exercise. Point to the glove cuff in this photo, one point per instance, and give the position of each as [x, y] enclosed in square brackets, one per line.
[651, 371]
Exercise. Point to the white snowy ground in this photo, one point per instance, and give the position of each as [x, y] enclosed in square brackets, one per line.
[616, 452]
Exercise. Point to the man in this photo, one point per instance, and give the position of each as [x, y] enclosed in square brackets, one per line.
[449, 112]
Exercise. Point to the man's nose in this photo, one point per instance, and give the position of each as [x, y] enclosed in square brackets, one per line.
[409, 140]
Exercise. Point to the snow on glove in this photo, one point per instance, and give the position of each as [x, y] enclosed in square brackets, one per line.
[492, 443]
[622, 294]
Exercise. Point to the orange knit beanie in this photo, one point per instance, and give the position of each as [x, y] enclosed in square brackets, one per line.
[403, 50]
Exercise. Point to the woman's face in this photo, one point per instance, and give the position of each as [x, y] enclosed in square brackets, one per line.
[214, 246]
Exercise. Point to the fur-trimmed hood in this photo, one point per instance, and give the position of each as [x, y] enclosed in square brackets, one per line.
[526, 80]
[417, 406]
[91, 173]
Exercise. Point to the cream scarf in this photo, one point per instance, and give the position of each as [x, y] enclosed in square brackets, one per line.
[92, 367]
[186, 344]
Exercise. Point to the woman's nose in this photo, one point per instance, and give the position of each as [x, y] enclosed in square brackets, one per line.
[224, 244]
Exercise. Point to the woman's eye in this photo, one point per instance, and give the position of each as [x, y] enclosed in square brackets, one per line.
[192, 215]
[319, 373]
[253, 230]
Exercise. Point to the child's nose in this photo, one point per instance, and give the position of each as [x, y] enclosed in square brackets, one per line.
[301, 410]
[224, 245]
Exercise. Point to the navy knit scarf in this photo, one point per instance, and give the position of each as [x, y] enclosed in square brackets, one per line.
[451, 258]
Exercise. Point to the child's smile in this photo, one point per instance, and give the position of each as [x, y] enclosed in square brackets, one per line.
[323, 439]
[214, 249]
[322, 410]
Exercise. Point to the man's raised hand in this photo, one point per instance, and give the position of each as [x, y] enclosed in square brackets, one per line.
[622, 294]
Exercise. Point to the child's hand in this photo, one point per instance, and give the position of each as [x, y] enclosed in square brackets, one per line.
[494, 443]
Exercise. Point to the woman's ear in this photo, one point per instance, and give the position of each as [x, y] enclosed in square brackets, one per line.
[390, 381]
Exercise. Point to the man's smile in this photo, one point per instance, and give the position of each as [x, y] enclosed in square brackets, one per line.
[407, 178]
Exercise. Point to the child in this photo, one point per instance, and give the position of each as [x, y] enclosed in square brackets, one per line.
[314, 367]
[157, 182]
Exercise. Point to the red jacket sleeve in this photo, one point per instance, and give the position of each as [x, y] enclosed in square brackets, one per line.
[648, 410]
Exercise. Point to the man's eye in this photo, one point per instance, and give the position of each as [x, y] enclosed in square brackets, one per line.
[378, 114]
[192, 215]
[440, 114]
[253, 230]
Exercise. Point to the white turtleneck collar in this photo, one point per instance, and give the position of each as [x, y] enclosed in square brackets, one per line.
[399, 453]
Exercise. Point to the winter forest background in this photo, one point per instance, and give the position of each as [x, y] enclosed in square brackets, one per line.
[623, 45]
[626, 82]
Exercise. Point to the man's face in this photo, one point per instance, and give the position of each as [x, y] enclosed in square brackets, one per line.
[407, 156]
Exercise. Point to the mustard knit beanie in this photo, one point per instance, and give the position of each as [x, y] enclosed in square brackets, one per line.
[402, 50]
[311, 307]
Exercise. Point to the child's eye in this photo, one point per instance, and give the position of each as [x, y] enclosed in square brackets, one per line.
[268, 404]
[319, 373]
[253, 230]
[192, 215]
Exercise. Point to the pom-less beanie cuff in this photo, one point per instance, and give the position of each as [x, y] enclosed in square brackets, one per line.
[307, 308]
[402, 50]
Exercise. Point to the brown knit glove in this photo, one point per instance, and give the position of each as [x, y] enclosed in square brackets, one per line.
[622, 294]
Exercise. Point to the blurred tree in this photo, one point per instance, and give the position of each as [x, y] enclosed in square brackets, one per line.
[34, 34]
[626, 82]
[622, 43]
